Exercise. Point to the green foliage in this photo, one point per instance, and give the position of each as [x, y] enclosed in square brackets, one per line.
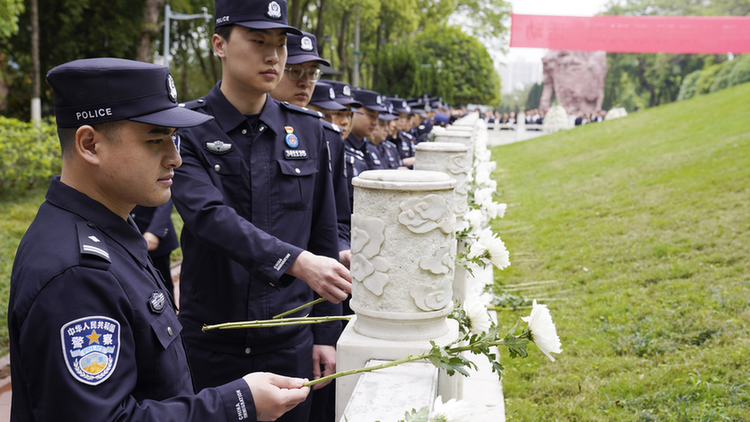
[29, 155]
[421, 415]
[716, 77]
[9, 11]
[535, 95]
[643, 224]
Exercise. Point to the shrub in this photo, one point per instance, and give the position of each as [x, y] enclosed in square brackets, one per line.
[689, 86]
[29, 154]
[740, 71]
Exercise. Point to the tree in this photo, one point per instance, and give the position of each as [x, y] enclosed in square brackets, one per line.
[149, 28]
[9, 11]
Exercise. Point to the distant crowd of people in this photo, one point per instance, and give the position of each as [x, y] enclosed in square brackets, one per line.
[536, 117]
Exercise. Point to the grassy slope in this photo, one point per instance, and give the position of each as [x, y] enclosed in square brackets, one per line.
[644, 222]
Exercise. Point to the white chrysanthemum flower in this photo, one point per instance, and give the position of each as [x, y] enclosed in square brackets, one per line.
[482, 175]
[557, 116]
[461, 225]
[499, 255]
[476, 219]
[477, 312]
[450, 411]
[476, 249]
[494, 209]
[543, 331]
[482, 195]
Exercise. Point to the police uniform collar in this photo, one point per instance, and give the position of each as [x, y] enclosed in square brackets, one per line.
[123, 232]
[227, 115]
[355, 142]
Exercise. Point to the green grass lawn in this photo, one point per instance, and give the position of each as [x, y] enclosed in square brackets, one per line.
[644, 225]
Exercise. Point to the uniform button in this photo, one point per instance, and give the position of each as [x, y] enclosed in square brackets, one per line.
[217, 168]
[244, 131]
[296, 171]
[169, 331]
[247, 351]
[92, 225]
[261, 128]
[200, 101]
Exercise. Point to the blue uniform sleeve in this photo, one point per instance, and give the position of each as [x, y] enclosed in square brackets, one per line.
[148, 378]
[324, 233]
[327, 333]
[217, 225]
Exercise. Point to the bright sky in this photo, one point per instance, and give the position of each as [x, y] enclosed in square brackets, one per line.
[549, 7]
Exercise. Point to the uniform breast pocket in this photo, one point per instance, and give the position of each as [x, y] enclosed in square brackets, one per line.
[297, 183]
[170, 370]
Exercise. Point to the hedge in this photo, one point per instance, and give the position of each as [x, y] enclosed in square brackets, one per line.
[29, 154]
[716, 77]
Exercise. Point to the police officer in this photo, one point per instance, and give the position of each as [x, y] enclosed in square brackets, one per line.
[401, 137]
[388, 150]
[255, 193]
[297, 87]
[364, 125]
[156, 225]
[94, 334]
[354, 149]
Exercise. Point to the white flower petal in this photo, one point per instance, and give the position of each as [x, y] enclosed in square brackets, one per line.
[543, 331]
[451, 411]
[477, 313]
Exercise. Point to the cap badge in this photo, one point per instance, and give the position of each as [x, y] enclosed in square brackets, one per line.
[404, 105]
[347, 91]
[306, 44]
[379, 100]
[274, 10]
[291, 139]
[171, 89]
[331, 93]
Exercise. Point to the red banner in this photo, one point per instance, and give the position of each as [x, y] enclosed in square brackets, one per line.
[633, 34]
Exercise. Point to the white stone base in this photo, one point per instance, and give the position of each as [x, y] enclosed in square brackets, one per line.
[386, 394]
[355, 350]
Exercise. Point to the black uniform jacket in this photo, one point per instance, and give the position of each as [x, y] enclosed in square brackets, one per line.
[252, 198]
[93, 332]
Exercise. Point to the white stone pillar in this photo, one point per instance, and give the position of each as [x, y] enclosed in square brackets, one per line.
[455, 160]
[403, 254]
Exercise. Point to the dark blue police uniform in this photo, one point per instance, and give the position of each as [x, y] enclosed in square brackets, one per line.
[83, 293]
[405, 143]
[374, 157]
[355, 153]
[254, 192]
[341, 181]
[389, 151]
[158, 220]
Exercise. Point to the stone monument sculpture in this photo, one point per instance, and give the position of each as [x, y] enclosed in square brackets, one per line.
[576, 78]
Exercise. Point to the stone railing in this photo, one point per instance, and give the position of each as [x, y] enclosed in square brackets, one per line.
[404, 278]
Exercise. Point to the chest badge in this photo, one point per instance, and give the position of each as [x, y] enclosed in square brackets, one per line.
[157, 301]
[291, 139]
[91, 346]
[218, 146]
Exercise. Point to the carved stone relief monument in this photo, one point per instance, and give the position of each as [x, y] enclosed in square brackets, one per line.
[576, 78]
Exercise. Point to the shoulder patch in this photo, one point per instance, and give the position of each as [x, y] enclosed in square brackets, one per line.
[91, 347]
[194, 104]
[92, 246]
[407, 135]
[302, 110]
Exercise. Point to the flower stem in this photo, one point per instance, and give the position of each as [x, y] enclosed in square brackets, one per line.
[275, 322]
[410, 358]
[314, 302]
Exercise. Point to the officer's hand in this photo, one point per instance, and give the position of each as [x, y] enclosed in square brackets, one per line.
[275, 395]
[324, 275]
[345, 258]
[151, 240]
[324, 356]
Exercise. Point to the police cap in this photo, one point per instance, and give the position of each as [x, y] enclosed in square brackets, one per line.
[324, 97]
[369, 99]
[254, 14]
[400, 105]
[303, 48]
[91, 91]
[344, 94]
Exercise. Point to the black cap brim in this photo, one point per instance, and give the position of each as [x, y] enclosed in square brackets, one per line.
[375, 107]
[328, 105]
[269, 25]
[173, 117]
[304, 58]
[348, 101]
[387, 117]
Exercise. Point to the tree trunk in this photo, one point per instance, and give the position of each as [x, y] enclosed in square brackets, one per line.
[292, 12]
[36, 112]
[319, 27]
[341, 48]
[149, 28]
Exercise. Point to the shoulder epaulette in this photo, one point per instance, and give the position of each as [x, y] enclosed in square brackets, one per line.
[331, 126]
[91, 245]
[408, 135]
[303, 110]
[195, 104]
